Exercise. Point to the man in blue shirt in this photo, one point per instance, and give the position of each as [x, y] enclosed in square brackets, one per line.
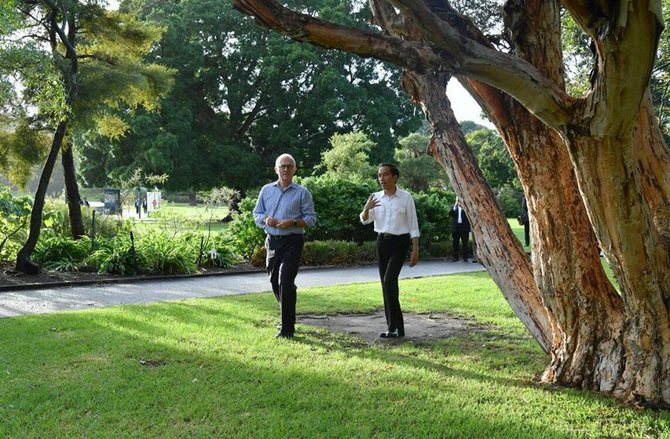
[284, 209]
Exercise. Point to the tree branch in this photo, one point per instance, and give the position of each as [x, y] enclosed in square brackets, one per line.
[300, 27]
[621, 30]
[445, 51]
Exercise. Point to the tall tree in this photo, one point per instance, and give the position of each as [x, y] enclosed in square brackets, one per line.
[99, 68]
[593, 162]
[419, 171]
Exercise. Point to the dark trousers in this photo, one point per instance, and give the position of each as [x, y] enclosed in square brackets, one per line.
[391, 254]
[459, 239]
[526, 233]
[282, 264]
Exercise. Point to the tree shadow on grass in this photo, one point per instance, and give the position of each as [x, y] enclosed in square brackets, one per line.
[212, 367]
[481, 343]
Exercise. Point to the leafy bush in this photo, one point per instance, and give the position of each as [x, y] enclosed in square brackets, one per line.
[367, 251]
[56, 220]
[441, 249]
[59, 253]
[338, 202]
[14, 219]
[169, 254]
[432, 210]
[245, 236]
[258, 257]
[117, 256]
[510, 200]
[218, 251]
[317, 253]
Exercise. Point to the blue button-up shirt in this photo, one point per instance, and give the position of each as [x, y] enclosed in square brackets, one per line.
[294, 203]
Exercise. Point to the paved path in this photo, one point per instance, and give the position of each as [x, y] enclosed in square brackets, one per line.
[46, 300]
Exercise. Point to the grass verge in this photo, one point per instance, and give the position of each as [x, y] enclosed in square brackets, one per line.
[211, 368]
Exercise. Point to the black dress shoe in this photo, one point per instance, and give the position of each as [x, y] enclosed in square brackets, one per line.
[392, 334]
[282, 334]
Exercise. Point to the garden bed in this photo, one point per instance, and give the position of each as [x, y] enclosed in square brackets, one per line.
[9, 278]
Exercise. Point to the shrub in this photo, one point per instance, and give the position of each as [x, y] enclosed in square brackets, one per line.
[317, 253]
[245, 236]
[218, 251]
[59, 253]
[440, 249]
[117, 256]
[258, 257]
[338, 202]
[169, 254]
[338, 252]
[432, 210]
[14, 219]
[510, 201]
[367, 251]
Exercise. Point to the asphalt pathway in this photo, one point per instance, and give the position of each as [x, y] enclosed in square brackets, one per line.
[53, 299]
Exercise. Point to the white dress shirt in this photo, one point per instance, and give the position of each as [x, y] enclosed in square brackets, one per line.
[395, 214]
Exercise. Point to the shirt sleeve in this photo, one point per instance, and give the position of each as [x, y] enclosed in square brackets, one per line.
[308, 213]
[260, 210]
[371, 217]
[412, 220]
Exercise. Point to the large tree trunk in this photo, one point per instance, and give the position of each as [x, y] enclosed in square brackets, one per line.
[636, 250]
[72, 194]
[497, 246]
[587, 350]
[23, 262]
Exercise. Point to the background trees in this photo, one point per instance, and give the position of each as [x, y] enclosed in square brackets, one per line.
[242, 97]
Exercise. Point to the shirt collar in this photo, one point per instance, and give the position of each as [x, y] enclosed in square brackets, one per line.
[384, 195]
[292, 184]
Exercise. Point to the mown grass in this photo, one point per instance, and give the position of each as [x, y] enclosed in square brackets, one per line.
[182, 216]
[212, 368]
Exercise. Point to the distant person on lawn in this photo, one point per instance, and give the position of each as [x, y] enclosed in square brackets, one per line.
[460, 230]
[284, 209]
[394, 215]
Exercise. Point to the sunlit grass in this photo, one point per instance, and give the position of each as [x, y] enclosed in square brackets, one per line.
[212, 368]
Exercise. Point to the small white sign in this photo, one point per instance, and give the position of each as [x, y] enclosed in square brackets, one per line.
[153, 201]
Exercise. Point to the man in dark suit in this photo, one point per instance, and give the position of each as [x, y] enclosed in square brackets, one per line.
[460, 230]
[524, 221]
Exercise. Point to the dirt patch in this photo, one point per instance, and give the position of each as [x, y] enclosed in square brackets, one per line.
[418, 327]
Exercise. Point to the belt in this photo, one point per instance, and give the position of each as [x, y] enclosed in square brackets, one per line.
[392, 236]
[283, 236]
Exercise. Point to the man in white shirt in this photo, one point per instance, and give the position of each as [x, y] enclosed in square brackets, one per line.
[394, 215]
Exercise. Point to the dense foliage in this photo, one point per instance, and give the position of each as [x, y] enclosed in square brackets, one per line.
[241, 98]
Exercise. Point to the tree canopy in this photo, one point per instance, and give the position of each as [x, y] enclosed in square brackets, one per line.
[243, 97]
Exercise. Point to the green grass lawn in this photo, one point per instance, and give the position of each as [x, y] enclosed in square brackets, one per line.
[182, 216]
[212, 368]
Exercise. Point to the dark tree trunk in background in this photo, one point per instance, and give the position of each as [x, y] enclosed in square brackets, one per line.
[24, 263]
[72, 193]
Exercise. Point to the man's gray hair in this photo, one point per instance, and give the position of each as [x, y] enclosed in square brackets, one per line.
[289, 156]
